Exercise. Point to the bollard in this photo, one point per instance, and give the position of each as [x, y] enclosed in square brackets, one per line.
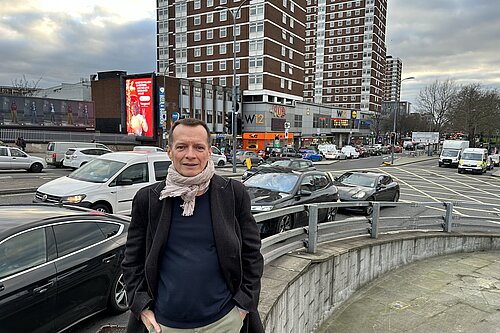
[448, 218]
[313, 228]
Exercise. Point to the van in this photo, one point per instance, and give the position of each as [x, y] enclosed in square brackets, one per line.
[54, 155]
[474, 160]
[218, 157]
[452, 151]
[108, 183]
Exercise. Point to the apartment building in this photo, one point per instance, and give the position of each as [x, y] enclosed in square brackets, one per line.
[392, 87]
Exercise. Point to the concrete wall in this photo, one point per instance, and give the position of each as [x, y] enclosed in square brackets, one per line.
[300, 290]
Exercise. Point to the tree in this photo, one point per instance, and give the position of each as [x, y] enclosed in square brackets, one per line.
[436, 100]
[25, 87]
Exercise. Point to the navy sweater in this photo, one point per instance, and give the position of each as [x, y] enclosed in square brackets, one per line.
[192, 291]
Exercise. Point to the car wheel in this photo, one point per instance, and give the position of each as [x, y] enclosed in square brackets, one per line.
[36, 167]
[331, 213]
[284, 224]
[101, 208]
[220, 163]
[396, 197]
[117, 302]
[368, 210]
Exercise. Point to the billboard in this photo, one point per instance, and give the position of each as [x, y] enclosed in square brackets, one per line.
[139, 106]
[23, 111]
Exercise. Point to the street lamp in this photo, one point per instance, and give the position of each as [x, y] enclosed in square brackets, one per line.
[234, 13]
[394, 124]
[164, 125]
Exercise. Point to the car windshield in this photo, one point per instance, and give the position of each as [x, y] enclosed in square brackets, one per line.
[449, 153]
[279, 182]
[472, 156]
[97, 171]
[281, 163]
[357, 179]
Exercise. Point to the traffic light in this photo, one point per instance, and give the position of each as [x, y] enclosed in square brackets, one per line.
[239, 125]
[228, 122]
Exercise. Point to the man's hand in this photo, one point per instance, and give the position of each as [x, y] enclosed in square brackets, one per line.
[149, 320]
[243, 314]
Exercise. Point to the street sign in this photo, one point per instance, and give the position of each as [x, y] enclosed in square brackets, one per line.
[425, 137]
[286, 133]
[287, 125]
[175, 116]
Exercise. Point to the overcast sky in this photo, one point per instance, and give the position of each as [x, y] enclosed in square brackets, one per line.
[65, 40]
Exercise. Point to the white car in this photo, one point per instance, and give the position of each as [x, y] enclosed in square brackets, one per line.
[496, 159]
[12, 158]
[149, 149]
[218, 158]
[76, 157]
[350, 152]
[335, 155]
[108, 183]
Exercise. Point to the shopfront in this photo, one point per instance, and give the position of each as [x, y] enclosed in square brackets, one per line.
[258, 141]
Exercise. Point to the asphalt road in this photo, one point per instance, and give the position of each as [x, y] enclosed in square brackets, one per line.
[419, 182]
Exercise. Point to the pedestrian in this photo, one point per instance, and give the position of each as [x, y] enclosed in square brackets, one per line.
[13, 112]
[52, 113]
[21, 143]
[192, 259]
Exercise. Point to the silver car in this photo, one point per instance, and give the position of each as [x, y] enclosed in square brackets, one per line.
[12, 158]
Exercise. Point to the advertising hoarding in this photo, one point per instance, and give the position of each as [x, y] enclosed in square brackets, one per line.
[22, 111]
[139, 106]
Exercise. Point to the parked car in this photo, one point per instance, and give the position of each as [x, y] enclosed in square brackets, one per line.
[242, 155]
[107, 183]
[335, 155]
[218, 157]
[284, 188]
[290, 164]
[350, 152]
[280, 152]
[366, 186]
[152, 149]
[76, 157]
[310, 154]
[58, 266]
[397, 148]
[496, 159]
[12, 158]
[54, 154]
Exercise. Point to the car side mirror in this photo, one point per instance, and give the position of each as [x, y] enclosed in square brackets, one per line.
[124, 182]
[304, 193]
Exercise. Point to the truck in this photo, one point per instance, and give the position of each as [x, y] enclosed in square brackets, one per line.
[452, 151]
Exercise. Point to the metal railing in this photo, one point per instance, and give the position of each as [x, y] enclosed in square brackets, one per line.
[308, 237]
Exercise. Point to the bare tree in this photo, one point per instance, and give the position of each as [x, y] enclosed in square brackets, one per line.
[25, 87]
[436, 100]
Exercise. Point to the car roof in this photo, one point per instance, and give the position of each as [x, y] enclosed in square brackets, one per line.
[86, 148]
[133, 156]
[367, 173]
[16, 217]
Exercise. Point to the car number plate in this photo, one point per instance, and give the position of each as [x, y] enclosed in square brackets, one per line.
[468, 169]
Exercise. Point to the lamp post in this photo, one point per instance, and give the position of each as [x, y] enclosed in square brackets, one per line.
[394, 124]
[164, 125]
[234, 13]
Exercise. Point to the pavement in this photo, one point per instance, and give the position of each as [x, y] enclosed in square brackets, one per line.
[453, 293]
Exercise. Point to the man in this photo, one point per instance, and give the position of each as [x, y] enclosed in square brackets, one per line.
[33, 113]
[138, 124]
[192, 259]
[13, 112]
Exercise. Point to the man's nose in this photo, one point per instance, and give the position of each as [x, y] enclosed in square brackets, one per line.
[190, 152]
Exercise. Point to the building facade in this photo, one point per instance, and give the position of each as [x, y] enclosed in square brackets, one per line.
[392, 87]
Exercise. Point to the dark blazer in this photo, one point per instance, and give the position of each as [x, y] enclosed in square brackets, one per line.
[237, 241]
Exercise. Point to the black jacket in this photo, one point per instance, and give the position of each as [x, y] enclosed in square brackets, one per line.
[237, 241]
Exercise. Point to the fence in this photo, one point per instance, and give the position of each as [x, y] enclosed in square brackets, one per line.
[307, 237]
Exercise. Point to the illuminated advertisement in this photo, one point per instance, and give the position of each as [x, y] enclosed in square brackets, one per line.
[21, 111]
[139, 106]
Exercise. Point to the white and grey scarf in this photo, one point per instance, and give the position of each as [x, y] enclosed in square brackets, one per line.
[187, 187]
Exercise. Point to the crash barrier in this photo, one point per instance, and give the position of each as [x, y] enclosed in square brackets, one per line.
[303, 285]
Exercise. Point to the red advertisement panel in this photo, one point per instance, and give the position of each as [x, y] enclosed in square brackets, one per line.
[139, 106]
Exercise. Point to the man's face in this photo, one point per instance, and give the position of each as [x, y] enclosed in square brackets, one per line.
[189, 150]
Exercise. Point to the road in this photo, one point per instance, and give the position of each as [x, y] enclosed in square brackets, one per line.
[419, 182]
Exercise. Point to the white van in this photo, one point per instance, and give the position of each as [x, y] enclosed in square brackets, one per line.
[218, 158]
[108, 183]
[474, 160]
[54, 155]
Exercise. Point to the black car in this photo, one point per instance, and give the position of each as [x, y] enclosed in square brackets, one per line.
[290, 164]
[58, 266]
[366, 186]
[284, 188]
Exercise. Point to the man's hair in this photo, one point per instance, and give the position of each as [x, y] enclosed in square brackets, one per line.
[191, 122]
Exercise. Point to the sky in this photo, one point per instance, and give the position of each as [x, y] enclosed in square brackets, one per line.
[57, 41]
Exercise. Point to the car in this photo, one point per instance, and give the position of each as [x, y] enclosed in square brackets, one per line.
[311, 154]
[397, 148]
[242, 155]
[366, 186]
[218, 157]
[108, 183]
[148, 148]
[56, 150]
[350, 152]
[496, 159]
[290, 164]
[335, 155]
[76, 157]
[285, 188]
[408, 145]
[58, 266]
[12, 158]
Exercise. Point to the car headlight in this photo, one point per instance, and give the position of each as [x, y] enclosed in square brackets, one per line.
[74, 199]
[261, 208]
[359, 195]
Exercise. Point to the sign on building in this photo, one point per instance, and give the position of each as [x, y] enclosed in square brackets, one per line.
[425, 137]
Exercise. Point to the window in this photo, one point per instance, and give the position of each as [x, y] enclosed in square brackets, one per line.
[197, 20]
[210, 18]
[223, 16]
[161, 168]
[210, 3]
[210, 34]
[197, 68]
[137, 173]
[197, 52]
[210, 50]
[197, 4]
[282, 83]
[197, 36]
[22, 252]
[222, 49]
[210, 66]
[71, 237]
[222, 32]
[222, 81]
[222, 65]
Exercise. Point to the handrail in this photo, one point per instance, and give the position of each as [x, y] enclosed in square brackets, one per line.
[307, 237]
